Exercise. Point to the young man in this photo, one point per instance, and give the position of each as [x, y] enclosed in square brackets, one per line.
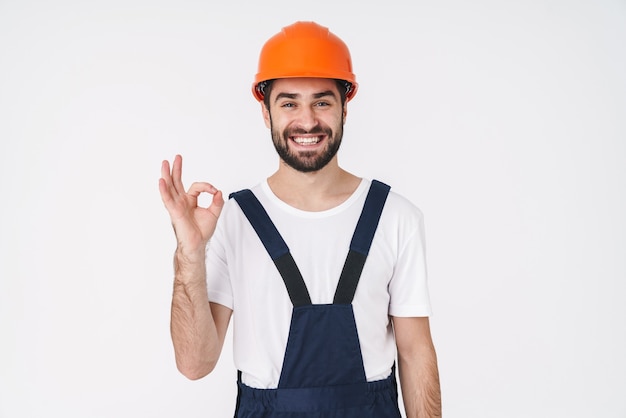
[323, 271]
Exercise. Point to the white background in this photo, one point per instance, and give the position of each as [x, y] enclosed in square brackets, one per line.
[504, 121]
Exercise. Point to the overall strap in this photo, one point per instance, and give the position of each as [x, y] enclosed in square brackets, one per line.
[275, 246]
[361, 242]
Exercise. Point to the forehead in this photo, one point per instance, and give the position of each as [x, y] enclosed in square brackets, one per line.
[304, 87]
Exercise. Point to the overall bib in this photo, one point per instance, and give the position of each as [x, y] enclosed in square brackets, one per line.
[322, 374]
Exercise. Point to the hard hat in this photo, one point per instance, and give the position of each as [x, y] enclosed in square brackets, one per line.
[304, 49]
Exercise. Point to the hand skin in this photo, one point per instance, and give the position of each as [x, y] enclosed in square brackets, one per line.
[198, 328]
[417, 367]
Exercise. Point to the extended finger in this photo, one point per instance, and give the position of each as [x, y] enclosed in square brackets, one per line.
[165, 173]
[177, 173]
[164, 189]
[165, 184]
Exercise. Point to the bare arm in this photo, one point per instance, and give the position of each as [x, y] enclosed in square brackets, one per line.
[417, 365]
[198, 327]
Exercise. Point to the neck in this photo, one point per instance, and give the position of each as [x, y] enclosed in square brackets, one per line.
[314, 191]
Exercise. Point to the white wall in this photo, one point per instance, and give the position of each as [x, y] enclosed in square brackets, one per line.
[504, 121]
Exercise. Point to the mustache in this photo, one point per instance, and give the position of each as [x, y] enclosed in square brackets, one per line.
[316, 130]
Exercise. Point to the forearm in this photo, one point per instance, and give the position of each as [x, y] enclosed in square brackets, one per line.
[419, 380]
[193, 329]
[417, 365]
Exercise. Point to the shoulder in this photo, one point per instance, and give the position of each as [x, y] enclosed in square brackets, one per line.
[401, 203]
[231, 202]
[399, 207]
[401, 221]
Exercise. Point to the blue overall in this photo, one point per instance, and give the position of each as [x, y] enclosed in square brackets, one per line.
[322, 374]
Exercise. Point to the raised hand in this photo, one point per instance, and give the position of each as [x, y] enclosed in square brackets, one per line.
[193, 225]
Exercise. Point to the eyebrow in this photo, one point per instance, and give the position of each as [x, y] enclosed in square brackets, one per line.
[296, 95]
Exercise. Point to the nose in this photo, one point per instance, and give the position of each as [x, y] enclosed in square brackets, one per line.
[307, 118]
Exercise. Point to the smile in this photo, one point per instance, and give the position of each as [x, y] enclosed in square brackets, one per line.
[306, 140]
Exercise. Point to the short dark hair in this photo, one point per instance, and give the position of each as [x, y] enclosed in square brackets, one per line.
[266, 88]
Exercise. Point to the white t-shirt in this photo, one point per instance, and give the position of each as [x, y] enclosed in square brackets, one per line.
[242, 276]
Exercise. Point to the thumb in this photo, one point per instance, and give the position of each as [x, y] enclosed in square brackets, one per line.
[217, 203]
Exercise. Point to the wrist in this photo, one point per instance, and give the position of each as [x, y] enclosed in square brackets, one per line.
[189, 266]
[189, 256]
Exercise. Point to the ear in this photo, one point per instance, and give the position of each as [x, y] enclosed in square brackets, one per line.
[345, 112]
[266, 115]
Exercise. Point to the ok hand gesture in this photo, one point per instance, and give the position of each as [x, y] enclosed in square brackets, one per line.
[193, 225]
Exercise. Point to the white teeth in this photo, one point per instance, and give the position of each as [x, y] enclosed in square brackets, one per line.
[306, 141]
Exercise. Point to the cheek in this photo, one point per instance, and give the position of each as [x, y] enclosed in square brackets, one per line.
[336, 122]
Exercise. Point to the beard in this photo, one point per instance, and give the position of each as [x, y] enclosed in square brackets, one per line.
[307, 161]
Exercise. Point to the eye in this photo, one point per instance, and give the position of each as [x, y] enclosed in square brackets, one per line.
[322, 104]
[288, 105]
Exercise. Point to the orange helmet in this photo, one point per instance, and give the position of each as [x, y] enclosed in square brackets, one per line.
[304, 49]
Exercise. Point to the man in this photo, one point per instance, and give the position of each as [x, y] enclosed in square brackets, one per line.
[322, 271]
